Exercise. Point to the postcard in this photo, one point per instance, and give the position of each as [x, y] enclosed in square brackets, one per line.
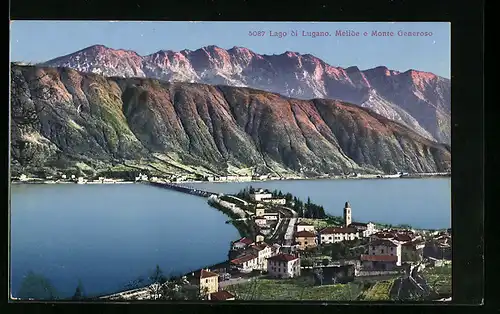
[282, 161]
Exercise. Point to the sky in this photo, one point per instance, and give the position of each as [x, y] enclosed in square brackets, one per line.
[38, 41]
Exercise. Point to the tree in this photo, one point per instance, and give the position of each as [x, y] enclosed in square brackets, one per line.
[38, 287]
[79, 292]
[325, 262]
[26, 104]
[157, 280]
[319, 275]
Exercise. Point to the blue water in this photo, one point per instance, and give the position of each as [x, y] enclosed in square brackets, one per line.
[108, 235]
[421, 203]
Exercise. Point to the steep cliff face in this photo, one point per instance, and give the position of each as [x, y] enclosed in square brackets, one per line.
[417, 99]
[101, 121]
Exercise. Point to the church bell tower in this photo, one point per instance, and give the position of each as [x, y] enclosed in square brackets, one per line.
[347, 214]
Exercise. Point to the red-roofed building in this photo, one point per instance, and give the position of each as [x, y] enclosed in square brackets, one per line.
[379, 262]
[382, 247]
[246, 263]
[222, 295]
[412, 251]
[382, 235]
[403, 237]
[207, 281]
[242, 243]
[283, 266]
[305, 239]
[333, 235]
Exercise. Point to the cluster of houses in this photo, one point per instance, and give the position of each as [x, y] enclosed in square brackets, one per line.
[387, 249]
[265, 219]
[247, 256]
[236, 178]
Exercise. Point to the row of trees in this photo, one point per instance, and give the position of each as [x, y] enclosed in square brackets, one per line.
[304, 209]
[308, 209]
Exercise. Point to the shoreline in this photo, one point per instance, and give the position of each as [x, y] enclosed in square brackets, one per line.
[68, 182]
[361, 177]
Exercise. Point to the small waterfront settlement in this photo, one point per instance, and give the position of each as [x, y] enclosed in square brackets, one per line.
[290, 254]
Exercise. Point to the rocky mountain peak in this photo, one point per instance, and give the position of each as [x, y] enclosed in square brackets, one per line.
[385, 91]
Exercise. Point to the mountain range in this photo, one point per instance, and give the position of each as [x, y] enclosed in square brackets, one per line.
[417, 99]
[92, 122]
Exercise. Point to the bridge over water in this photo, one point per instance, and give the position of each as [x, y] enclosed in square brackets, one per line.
[183, 189]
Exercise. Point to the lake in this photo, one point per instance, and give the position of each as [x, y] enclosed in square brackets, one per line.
[108, 235]
[421, 203]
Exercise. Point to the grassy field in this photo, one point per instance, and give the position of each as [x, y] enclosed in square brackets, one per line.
[379, 292]
[438, 278]
[294, 289]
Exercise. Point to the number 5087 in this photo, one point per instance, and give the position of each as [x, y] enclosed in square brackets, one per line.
[256, 33]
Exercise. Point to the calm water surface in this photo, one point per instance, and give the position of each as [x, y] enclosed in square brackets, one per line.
[422, 203]
[107, 235]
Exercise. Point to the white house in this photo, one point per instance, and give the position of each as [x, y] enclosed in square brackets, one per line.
[304, 226]
[141, 177]
[283, 266]
[259, 195]
[260, 221]
[263, 252]
[81, 180]
[246, 263]
[365, 229]
[242, 243]
[23, 177]
[271, 216]
[333, 235]
[275, 201]
[382, 255]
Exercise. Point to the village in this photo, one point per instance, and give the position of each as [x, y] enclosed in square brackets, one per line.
[320, 258]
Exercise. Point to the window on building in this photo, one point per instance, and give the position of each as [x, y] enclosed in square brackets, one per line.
[305, 243]
[373, 253]
[329, 238]
[382, 251]
[206, 280]
[392, 249]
